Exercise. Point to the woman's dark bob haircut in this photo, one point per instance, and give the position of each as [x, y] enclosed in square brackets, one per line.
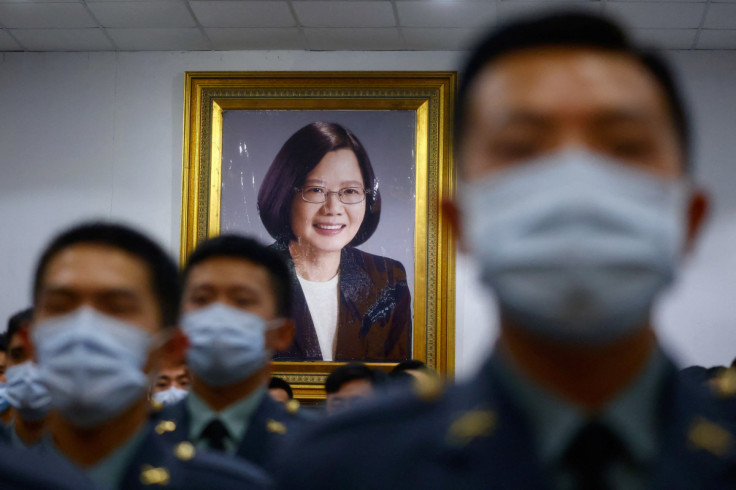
[299, 155]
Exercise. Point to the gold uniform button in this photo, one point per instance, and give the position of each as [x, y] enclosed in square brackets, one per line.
[184, 451]
[713, 438]
[156, 405]
[275, 427]
[165, 426]
[292, 406]
[154, 476]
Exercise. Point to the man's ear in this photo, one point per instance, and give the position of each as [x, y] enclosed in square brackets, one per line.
[280, 338]
[451, 213]
[175, 349]
[171, 353]
[25, 339]
[697, 214]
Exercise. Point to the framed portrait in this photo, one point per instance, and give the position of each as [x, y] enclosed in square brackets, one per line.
[343, 174]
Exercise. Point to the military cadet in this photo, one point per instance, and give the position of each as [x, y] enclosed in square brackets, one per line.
[27, 395]
[236, 313]
[106, 301]
[576, 198]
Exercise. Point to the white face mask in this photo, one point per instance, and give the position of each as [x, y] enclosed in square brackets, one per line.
[226, 345]
[169, 396]
[25, 391]
[575, 245]
[92, 365]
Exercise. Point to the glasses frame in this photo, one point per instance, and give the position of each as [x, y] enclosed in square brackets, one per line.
[328, 192]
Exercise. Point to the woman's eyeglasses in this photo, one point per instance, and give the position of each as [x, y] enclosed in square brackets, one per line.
[318, 195]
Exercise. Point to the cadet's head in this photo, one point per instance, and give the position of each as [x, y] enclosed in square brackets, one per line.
[349, 384]
[16, 345]
[280, 390]
[573, 149]
[542, 84]
[112, 269]
[242, 273]
[106, 301]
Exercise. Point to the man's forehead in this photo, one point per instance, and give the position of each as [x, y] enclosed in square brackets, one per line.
[230, 272]
[572, 78]
[96, 266]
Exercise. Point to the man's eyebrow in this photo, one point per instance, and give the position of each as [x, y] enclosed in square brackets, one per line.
[57, 291]
[617, 116]
[118, 293]
[521, 117]
[240, 288]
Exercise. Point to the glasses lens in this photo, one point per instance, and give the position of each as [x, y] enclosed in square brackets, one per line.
[314, 194]
[352, 195]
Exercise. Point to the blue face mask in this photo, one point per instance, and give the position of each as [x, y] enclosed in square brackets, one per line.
[92, 365]
[576, 246]
[4, 404]
[226, 345]
[25, 391]
[169, 396]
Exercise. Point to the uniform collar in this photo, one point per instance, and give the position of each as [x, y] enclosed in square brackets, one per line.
[631, 415]
[235, 416]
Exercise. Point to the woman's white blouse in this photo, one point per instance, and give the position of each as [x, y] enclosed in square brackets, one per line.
[322, 303]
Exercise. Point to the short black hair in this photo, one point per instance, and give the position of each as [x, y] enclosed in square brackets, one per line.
[15, 322]
[4, 342]
[573, 29]
[300, 154]
[281, 384]
[163, 270]
[249, 249]
[346, 373]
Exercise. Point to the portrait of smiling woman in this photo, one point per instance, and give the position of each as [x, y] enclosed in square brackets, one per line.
[319, 200]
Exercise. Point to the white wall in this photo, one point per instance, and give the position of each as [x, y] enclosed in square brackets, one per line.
[86, 135]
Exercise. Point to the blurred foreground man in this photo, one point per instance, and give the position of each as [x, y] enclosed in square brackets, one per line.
[106, 304]
[576, 199]
[236, 314]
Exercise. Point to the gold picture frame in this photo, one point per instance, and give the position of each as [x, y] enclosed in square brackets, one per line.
[429, 96]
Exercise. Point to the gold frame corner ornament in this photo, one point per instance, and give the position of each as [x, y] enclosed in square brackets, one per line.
[429, 94]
